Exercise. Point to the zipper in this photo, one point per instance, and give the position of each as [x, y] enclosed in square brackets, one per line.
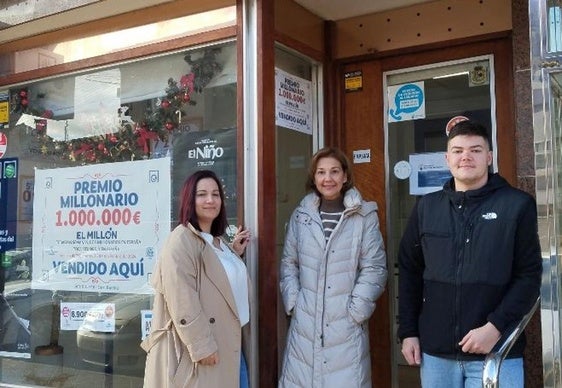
[326, 252]
[459, 247]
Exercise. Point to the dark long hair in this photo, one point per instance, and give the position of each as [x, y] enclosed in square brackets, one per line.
[187, 204]
[329, 152]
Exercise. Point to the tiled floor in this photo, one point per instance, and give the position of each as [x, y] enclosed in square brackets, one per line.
[46, 374]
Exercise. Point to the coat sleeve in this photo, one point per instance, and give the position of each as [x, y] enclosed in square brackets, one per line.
[371, 272]
[524, 287]
[411, 266]
[289, 270]
[179, 267]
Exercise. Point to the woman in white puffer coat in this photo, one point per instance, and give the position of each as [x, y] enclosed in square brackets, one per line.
[332, 271]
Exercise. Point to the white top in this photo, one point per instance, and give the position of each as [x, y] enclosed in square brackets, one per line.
[237, 276]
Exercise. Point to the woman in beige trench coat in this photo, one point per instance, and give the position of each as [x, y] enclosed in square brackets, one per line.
[201, 297]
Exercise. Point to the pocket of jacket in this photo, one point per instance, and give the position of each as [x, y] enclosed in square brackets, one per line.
[350, 317]
[186, 371]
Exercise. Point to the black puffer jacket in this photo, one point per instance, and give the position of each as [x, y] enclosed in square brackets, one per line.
[467, 258]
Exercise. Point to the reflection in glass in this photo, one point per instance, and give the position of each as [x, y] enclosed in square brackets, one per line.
[181, 105]
[548, 162]
[416, 142]
[15, 12]
[554, 26]
[124, 113]
[111, 42]
[293, 152]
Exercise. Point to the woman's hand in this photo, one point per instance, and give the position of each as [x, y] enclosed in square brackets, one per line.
[213, 359]
[240, 240]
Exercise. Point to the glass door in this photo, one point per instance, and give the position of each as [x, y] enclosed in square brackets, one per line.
[297, 123]
[422, 104]
[546, 78]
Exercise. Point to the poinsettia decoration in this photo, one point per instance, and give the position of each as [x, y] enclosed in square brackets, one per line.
[130, 140]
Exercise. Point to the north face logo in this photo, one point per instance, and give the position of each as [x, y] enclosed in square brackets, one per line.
[490, 216]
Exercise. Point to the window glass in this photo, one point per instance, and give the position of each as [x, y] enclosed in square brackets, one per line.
[554, 26]
[15, 12]
[295, 76]
[422, 104]
[111, 42]
[91, 165]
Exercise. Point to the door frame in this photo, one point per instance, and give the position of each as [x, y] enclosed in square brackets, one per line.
[360, 126]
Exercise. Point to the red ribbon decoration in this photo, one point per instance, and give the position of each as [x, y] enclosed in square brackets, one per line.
[83, 148]
[144, 136]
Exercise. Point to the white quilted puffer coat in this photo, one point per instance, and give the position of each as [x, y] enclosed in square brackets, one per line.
[329, 289]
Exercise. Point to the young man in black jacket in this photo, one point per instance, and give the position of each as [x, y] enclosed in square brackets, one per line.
[470, 266]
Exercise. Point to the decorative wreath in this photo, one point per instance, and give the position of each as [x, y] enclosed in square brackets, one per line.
[131, 140]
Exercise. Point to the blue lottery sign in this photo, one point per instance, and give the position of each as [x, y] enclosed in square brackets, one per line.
[408, 102]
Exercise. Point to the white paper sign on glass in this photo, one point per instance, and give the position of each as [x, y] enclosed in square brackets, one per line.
[293, 102]
[429, 172]
[98, 228]
[146, 323]
[98, 317]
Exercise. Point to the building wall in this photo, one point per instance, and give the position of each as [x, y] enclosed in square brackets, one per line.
[296, 24]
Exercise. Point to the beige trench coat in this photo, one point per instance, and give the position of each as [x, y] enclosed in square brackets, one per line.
[194, 315]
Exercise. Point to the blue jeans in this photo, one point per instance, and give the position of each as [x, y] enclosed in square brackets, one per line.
[244, 380]
[437, 372]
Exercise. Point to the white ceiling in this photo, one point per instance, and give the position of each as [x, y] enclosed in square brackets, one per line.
[343, 9]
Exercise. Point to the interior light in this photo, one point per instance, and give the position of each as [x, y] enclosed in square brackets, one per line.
[451, 75]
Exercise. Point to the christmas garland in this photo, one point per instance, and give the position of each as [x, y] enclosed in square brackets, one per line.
[131, 140]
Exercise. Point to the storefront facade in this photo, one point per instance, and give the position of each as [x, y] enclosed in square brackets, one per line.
[107, 107]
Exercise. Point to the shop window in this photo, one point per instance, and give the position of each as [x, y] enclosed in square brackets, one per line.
[15, 12]
[115, 41]
[91, 165]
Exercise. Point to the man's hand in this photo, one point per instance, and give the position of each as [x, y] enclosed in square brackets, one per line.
[480, 340]
[411, 350]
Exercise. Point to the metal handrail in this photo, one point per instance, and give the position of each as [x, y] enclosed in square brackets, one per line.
[494, 359]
